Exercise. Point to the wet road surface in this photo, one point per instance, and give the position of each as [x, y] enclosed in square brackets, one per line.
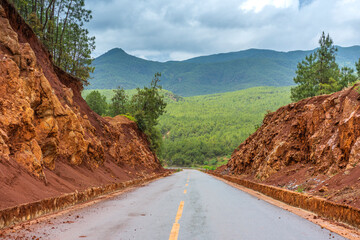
[187, 205]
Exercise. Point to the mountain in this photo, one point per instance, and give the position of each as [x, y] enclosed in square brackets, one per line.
[207, 74]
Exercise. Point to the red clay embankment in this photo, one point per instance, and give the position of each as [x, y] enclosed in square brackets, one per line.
[51, 142]
[312, 146]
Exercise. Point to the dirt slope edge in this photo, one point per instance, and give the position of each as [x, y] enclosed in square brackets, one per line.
[322, 207]
[51, 143]
[29, 211]
[311, 146]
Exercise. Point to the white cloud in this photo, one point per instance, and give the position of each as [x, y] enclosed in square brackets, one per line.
[258, 5]
[182, 55]
[146, 54]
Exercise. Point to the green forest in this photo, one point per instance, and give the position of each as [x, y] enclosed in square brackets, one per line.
[205, 130]
[202, 130]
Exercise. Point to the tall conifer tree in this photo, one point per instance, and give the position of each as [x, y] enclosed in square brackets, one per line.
[320, 74]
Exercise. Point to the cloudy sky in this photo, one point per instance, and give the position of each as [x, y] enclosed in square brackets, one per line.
[164, 30]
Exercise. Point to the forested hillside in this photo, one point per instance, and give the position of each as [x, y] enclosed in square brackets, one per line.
[209, 74]
[205, 129]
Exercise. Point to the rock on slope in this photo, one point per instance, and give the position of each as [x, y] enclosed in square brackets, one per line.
[312, 145]
[50, 140]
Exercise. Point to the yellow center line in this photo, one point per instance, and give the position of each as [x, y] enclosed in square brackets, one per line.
[174, 232]
[185, 191]
[186, 185]
[176, 226]
[179, 212]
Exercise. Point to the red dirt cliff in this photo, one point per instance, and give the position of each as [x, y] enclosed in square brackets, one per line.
[50, 140]
[312, 145]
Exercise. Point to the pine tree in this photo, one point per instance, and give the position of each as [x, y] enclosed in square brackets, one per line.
[347, 77]
[306, 78]
[320, 74]
[357, 64]
[97, 102]
[119, 103]
[147, 105]
[326, 65]
[59, 24]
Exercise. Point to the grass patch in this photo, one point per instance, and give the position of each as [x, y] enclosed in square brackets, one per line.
[300, 189]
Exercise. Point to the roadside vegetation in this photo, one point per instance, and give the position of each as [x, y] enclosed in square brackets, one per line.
[319, 73]
[110, 93]
[59, 24]
[144, 106]
[215, 163]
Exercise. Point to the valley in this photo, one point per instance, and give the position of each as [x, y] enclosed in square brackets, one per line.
[204, 130]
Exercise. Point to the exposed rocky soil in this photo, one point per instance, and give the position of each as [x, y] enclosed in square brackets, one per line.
[311, 146]
[50, 140]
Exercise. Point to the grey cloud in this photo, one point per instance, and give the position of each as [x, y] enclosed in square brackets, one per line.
[164, 30]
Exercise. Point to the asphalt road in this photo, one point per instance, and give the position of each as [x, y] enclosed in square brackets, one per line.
[187, 205]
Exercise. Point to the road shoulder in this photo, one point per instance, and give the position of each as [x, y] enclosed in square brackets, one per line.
[339, 228]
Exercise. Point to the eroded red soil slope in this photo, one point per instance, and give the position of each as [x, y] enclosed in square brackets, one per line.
[50, 140]
[311, 146]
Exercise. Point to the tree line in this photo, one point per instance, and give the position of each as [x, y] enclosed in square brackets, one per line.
[59, 24]
[319, 73]
[144, 107]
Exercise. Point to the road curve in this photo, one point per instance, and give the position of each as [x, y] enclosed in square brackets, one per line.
[187, 205]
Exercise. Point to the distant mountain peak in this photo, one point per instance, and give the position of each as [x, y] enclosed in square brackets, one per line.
[114, 54]
[116, 50]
